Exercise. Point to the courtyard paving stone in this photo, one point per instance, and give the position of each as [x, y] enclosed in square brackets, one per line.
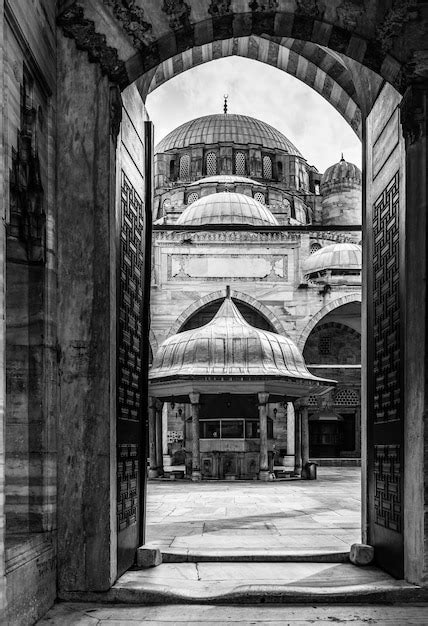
[239, 515]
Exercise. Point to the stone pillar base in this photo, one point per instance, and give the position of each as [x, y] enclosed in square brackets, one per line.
[264, 475]
[196, 476]
[153, 473]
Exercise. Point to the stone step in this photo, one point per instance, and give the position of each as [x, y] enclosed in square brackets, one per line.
[180, 555]
[254, 583]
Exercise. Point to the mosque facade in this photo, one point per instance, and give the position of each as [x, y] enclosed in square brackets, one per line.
[239, 210]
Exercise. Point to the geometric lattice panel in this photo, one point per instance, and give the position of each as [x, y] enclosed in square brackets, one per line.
[130, 302]
[346, 397]
[387, 475]
[386, 304]
[127, 485]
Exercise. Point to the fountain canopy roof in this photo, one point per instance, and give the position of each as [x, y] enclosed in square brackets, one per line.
[230, 355]
[227, 208]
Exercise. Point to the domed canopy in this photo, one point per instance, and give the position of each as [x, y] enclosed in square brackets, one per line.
[227, 208]
[338, 256]
[228, 346]
[343, 171]
[226, 128]
[223, 179]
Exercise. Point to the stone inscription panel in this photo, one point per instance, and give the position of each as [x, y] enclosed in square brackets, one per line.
[386, 303]
[387, 499]
[235, 266]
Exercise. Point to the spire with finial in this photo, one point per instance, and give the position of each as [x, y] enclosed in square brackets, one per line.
[342, 157]
[228, 292]
[225, 104]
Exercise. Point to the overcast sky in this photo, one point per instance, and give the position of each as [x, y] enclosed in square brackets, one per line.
[264, 92]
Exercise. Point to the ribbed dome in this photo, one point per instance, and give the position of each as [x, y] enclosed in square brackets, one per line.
[229, 346]
[227, 208]
[223, 179]
[226, 128]
[343, 171]
[338, 256]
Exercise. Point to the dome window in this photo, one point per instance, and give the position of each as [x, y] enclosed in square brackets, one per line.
[185, 167]
[315, 247]
[211, 164]
[192, 198]
[240, 164]
[267, 167]
[259, 197]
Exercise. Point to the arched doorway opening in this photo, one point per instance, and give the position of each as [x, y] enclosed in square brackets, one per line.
[100, 183]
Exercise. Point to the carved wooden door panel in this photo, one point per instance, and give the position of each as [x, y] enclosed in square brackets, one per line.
[385, 385]
[134, 253]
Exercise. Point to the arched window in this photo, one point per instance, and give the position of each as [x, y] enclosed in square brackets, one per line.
[211, 164]
[259, 197]
[192, 198]
[185, 167]
[240, 164]
[267, 167]
[314, 247]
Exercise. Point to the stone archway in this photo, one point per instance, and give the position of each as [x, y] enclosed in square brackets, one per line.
[217, 295]
[126, 44]
[334, 304]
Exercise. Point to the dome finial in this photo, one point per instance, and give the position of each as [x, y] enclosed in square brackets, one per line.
[228, 292]
[342, 157]
[225, 103]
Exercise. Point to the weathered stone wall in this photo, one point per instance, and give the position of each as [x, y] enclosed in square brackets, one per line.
[27, 127]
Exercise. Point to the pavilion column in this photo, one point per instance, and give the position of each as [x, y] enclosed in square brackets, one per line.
[196, 470]
[305, 433]
[153, 468]
[297, 442]
[264, 457]
[159, 437]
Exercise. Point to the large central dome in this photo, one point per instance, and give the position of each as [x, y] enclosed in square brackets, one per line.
[226, 128]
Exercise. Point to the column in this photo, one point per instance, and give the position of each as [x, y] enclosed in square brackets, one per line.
[297, 442]
[290, 428]
[264, 457]
[196, 470]
[305, 434]
[153, 468]
[159, 444]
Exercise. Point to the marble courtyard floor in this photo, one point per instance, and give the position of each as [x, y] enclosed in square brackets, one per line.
[281, 516]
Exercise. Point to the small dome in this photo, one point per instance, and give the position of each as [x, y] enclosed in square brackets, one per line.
[341, 172]
[223, 179]
[228, 345]
[226, 128]
[339, 256]
[227, 208]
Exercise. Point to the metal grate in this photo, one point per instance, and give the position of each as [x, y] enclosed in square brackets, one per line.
[185, 167]
[211, 164]
[325, 345]
[346, 397]
[267, 167]
[192, 198]
[315, 247]
[127, 485]
[240, 164]
[259, 197]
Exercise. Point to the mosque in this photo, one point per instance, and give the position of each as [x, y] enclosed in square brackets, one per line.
[255, 304]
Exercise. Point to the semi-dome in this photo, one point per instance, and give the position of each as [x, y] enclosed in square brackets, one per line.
[341, 172]
[230, 346]
[224, 179]
[338, 258]
[226, 128]
[227, 208]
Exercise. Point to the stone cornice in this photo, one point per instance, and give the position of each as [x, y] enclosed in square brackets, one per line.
[223, 236]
